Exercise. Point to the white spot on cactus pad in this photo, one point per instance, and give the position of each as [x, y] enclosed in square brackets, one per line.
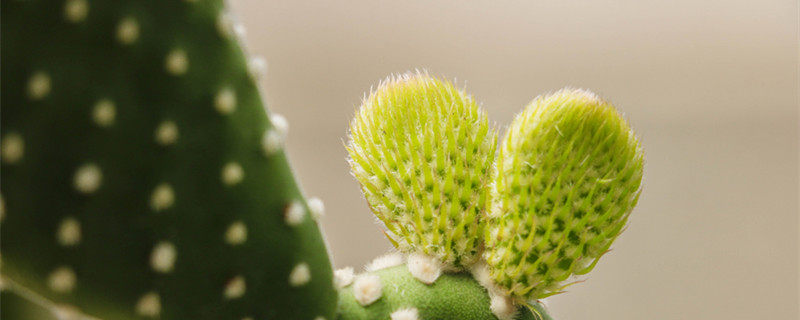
[319, 318]
[162, 259]
[225, 101]
[224, 25]
[149, 305]
[38, 85]
[367, 289]
[294, 214]
[88, 178]
[176, 62]
[104, 113]
[426, 269]
[405, 314]
[163, 197]
[317, 208]
[502, 307]
[13, 148]
[69, 232]
[272, 142]
[235, 288]
[300, 275]
[239, 30]
[62, 280]
[343, 277]
[76, 10]
[385, 261]
[236, 234]
[258, 68]
[232, 174]
[127, 31]
[280, 124]
[167, 133]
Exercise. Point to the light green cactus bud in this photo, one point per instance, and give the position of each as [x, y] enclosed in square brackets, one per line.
[422, 150]
[567, 176]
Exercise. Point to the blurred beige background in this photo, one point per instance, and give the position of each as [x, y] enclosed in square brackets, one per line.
[711, 87]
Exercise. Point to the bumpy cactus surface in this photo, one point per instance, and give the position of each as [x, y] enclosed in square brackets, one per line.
[141, 175]
[422, 151]
[568, 175]
[560, 191]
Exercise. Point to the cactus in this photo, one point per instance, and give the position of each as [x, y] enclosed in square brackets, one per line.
[142, 177]
[560, 191]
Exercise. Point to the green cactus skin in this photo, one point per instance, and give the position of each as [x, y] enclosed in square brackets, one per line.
[422, 151]
[567, 176]
[141, 176]
[452, 296]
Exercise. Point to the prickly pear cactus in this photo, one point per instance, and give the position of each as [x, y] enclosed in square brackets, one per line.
[141, 175]
[568, 175]
[495, 233]
[422, 151]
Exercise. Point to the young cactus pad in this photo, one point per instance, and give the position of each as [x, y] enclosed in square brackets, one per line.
[422, 150]
[141, 175]
[567, 176]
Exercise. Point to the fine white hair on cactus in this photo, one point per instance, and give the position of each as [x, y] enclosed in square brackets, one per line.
[62, 280]
[127, 31]
[38, 85]
[385, 261]
[176, 62]
[502, 307]
[294, 214]
[258, 67]
[480, 271]
[405, 314]
[235, 288]
[69, 232]
[300, 275]
[232, 173]
[13, 148]
[343, 277]
[236, 234]
[317, 208]
[88, 178]
[225, 101]
[162, 198]
[423, 267]
[149, 305]
[76, 10]
[104, 113]
[162, 259]
[367, 288]
[167, 133]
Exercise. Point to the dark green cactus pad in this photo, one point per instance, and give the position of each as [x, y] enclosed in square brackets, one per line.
[140, 172]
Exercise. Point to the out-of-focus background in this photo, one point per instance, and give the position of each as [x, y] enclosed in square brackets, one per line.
[711, 86]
